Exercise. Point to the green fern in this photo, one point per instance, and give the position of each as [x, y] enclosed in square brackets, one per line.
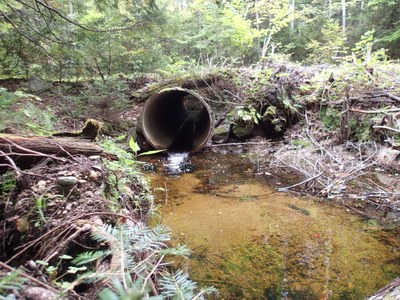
[119, 292]
[87, 257]
[10, 282]
[178, 286]
[136, 252]
[179, 250]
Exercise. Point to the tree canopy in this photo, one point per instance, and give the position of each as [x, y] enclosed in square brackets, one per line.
[75, 39]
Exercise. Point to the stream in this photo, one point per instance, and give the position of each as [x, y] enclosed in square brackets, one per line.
[252, 242]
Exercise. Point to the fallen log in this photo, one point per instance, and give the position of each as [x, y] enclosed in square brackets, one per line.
[15, 145]
[391, 291]
[27, 150]
[23, 152]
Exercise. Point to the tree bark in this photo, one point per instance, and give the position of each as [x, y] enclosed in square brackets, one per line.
[15, 145]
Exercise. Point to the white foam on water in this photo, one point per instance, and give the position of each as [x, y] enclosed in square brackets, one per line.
[176, 162]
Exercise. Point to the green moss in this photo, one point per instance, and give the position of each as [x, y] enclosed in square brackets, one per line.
[302, 143]
[330, 117]
[360, 129]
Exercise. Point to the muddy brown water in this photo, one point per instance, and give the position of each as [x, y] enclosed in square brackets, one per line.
[252, 242]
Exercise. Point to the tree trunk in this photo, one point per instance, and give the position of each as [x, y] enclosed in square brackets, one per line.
[292, 10]
[343, 16]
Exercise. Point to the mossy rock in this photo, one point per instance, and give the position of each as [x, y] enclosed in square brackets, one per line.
[90, 130]
[221, 133]
[242, 130]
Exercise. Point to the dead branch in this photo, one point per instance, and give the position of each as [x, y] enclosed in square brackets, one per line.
[383, 111]
[314, 141]
[38, 282]
[12, 163]
[284, 189]
[65, 243]
[386, 128]
[7, 143]
[393, 97]
[244, 144]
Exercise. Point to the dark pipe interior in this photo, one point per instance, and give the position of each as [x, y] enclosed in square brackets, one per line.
[176, 120]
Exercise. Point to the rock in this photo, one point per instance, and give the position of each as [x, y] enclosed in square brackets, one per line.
[22, 225]
[221, 133]
[31, 265]
[93, 175]
[148, 167]
[38, 293]
[94, 157]
[67, 181]
[242, 131]
[40, 187]
[37, 84]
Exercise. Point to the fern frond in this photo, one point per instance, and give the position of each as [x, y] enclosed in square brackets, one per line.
[11, 281]
[105, 233]
[179, 250]
[87, 257]
[144, 238]
[177, 285]
[90, 277]
[119, 292]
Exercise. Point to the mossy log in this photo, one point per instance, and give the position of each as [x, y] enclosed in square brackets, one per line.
[188, 81]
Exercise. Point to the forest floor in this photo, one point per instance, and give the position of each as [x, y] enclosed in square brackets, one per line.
[50, 211]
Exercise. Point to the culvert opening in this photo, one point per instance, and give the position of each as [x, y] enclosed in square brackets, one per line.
[177, 119]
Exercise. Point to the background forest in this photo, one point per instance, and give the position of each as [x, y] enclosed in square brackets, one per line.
[323, 76]
[75, 40]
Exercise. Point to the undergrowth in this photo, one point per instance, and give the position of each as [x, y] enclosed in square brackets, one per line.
[21, 111]
[128, 258]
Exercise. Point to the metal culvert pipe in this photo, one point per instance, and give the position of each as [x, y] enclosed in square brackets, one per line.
[177, 119]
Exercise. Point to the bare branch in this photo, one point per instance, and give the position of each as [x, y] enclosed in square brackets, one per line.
[386, 128]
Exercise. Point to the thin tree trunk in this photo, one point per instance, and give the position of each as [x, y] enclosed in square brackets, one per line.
[109, 55]
[292, 10]
[343, 16]
[345, 116]
[71, 9]
[267, 40]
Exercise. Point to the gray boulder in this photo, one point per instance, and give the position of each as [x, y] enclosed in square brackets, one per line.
[37, 84]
